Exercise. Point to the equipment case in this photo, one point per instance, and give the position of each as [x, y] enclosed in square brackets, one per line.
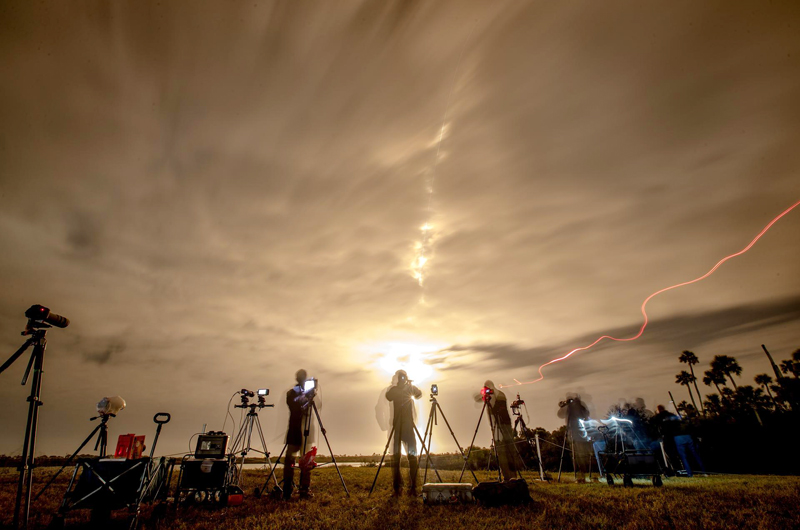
[447, 493]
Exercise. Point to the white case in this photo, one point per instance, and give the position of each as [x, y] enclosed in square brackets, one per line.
[447, 493]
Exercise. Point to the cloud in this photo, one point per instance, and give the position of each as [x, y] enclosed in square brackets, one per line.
[667, 334]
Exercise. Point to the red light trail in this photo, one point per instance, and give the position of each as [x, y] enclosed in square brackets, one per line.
[665, 289]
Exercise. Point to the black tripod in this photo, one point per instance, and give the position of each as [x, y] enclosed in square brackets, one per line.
[472, 443]
[433, 420]
[243, 442]
[39, 343]
[493, 424]
[424, 449]
[306, 431]
[521, 430]
[101, 444]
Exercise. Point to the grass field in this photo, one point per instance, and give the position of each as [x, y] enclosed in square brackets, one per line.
[764, 502]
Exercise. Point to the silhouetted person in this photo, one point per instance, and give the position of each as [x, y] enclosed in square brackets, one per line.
[572, 410]
[299, 403]
[402, 395]
[674, 429]
[503, 432]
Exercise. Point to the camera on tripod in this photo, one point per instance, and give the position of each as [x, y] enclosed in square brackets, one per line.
[516, 405]
[310, 384]
[486, 394]
[247, 394]
[434, 390]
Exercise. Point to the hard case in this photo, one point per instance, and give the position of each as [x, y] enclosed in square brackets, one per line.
[447, 493]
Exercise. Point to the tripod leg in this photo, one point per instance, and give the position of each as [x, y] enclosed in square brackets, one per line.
[333, 457]
[428, 453]
[273, 473]
[471, 445]
[29, 447]
[494, 445]
[429, 432]
[266, 452]
[53, 478]
[460, 450]
[383, 456]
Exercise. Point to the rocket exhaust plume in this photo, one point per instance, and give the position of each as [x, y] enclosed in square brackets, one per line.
[644, 304]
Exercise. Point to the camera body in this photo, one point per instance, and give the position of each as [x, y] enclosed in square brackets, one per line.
[247, 393]
[563, 404]
[486, 394]
[434, 390]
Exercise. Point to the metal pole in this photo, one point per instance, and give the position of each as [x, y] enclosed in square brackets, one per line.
[672, 400]
[775, 369]
[539, 453]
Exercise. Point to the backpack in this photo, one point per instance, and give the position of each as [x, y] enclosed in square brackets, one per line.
[513, 492]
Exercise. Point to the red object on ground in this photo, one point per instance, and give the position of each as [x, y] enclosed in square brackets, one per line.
[308, 462]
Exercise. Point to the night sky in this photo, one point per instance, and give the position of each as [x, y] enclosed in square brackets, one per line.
[219, 193]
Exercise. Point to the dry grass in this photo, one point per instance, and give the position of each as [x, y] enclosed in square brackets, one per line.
[703, 502]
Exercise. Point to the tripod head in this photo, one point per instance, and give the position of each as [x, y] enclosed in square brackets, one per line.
[516, 406]
[245, 404]
[103, 417]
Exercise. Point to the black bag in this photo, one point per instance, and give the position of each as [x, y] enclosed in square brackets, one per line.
[513, 492]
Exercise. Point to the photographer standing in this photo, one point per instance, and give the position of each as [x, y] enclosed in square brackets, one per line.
[402, 395]
[573, 410]
[299, 402]
[502, 432]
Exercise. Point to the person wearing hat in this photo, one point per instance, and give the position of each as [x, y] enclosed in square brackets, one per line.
[402, 395]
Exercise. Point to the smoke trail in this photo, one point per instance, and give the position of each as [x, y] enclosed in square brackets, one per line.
[423, 248]
[644, 304]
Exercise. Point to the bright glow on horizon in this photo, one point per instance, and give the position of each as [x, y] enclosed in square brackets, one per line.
[409, 356]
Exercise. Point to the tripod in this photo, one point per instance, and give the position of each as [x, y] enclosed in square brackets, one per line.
[39, 343]
[306, 431]
[424, 449]
[493, 423]
[243, 442]
[101, 443]
[521, 431]
[433, 420]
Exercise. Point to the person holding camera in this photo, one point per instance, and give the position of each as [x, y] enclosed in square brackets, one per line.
[502, 431]
[402, 395]
[299, 402]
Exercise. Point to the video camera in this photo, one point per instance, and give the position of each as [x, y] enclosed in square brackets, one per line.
[562, 404]
[486, 394]
[434, 390]
[247, 394]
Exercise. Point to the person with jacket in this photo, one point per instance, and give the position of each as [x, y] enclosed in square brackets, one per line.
[402, 395]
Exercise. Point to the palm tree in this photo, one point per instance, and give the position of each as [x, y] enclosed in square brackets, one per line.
[790, 366]
[713, 404]
[747, 396]
[691, 359]
[685, 378]
[765, 380]
[714, 377]
[726, 365]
